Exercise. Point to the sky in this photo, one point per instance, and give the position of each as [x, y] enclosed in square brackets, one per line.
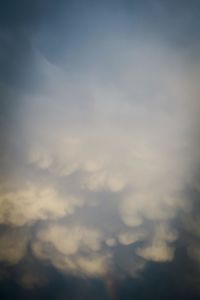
[99, 156]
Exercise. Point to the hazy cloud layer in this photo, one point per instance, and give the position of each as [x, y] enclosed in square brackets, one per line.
[102, 156]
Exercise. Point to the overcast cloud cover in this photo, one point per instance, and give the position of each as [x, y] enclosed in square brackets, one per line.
[100, 143]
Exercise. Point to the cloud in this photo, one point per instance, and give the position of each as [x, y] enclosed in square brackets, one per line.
[70, 240]
[159, 248]
[93, 266]
[158, 251]
[131, 237]
[102, 161]
[71, 249]
[151, 206]
[33, 203]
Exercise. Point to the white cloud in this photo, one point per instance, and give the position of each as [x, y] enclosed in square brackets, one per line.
[94, 266]
[33, 202]
[69, 240]
[157, 251]
[160, 247]
[128, 238]
[72, 249]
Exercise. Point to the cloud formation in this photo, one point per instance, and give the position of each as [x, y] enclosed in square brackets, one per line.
[102, 160]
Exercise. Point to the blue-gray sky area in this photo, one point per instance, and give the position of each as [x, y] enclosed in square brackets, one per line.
[99, 156]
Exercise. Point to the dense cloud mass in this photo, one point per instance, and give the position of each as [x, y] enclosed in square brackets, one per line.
[101, 155]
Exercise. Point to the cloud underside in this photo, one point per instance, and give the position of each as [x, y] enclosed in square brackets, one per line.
[103, 163]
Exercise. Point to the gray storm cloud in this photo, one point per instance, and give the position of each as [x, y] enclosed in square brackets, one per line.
[103, 159]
